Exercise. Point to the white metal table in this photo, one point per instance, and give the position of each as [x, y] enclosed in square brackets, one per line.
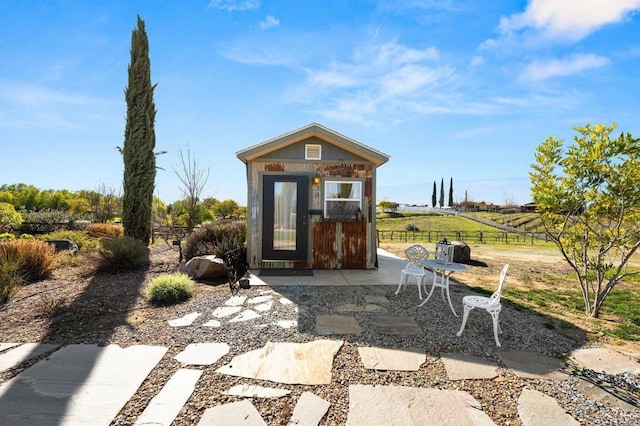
[441, 273]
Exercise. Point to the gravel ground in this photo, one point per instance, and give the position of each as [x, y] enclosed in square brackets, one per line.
[77, 307]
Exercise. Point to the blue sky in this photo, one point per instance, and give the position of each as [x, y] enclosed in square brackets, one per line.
[449, 89]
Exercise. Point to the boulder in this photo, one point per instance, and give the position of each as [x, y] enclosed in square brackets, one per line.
[208, 266]
[64, 245]
[461, 252]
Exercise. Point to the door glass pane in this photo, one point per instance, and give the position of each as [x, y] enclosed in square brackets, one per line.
[285, 196]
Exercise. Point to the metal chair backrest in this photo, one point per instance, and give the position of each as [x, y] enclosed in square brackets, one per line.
[444, 253]
[494, 299]
[416, 254]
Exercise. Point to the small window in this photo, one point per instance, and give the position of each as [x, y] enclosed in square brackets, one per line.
[342, 200]
[313, 152]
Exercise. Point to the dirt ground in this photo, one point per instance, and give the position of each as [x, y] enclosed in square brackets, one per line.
[531, 267]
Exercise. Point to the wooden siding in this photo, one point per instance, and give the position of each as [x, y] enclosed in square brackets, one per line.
[329, 151]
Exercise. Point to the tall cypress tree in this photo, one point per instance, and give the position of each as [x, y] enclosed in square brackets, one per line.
[139, 141]
[450, 193]
[433, 196]
[441, 201]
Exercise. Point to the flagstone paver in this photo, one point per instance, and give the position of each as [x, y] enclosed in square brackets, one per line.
[537, 409]
[404, 359]
[285, 301]
[595, 393]
[337, 324]
[225, 311]
[256, 391]
[287, 323]
[260, 299]
[462, 367]
[290, 363]
[202, 353]
[245, 315]
[78, 384]
[605, 360]
[351, 307]
[166, 405]
[534, 365]
[396, 325]
[376, 299]
[235, 301]
[309, 411]
[264, 307]
[212, 323]
[402, 405]
[24, 352]
[236, 413]
[184, 321]
[5, 346]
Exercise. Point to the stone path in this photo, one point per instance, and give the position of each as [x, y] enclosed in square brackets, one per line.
[87, 384]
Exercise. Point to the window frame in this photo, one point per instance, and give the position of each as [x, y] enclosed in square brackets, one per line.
[325, 199]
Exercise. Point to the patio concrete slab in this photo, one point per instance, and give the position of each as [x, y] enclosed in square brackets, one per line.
[337, 324]
[290, 363]
[605, 360]
[184, 321]
[202, 353]
[403, 359]
[468, 367]
[23, 353]
[166, 405]
[396, 325]
[236, 413]
[78, 384]
[534, 365]
[256, 391]
[402, 405]
[309, 410]
[537, 409]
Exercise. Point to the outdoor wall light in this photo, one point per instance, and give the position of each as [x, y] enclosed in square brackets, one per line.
[316, 179]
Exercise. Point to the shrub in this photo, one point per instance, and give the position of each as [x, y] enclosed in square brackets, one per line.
[122, 254]
[81, 239]
[10, 276]
[207, 238]
[37, 259]
[26, 237]
[104, 230]
[412, 228]
[232, 251]
[10, 219]
[170, 288]
[6, 236]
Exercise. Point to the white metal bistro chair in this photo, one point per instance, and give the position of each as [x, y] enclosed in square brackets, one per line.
[415, 255]
[491, 304]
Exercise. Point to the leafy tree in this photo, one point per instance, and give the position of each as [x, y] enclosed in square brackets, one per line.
[10, 219]
[225, 208]
[441, 200]
[193, 180]
[450, 193]
[433, 195]
[589, 203]
[386, 205]
[139, 141]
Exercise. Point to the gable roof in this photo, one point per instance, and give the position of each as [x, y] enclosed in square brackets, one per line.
[314, 129]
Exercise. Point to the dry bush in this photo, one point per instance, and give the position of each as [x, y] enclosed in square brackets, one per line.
[10, 277]
[122, 254]
[206, 239]
[37, 260]
[104, 230]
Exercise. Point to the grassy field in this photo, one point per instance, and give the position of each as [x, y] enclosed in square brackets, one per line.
[539, 279]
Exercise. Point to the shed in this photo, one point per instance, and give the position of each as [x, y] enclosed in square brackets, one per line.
[311, 201]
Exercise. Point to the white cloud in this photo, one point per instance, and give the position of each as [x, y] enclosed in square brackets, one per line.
[239, 5]
[269, 22]
[536, 71]
[570, 19]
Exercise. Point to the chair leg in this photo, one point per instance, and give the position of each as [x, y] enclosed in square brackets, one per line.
[465, 315]
[496, 326]
[450, 304]
[419, 284]
[403, 278]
